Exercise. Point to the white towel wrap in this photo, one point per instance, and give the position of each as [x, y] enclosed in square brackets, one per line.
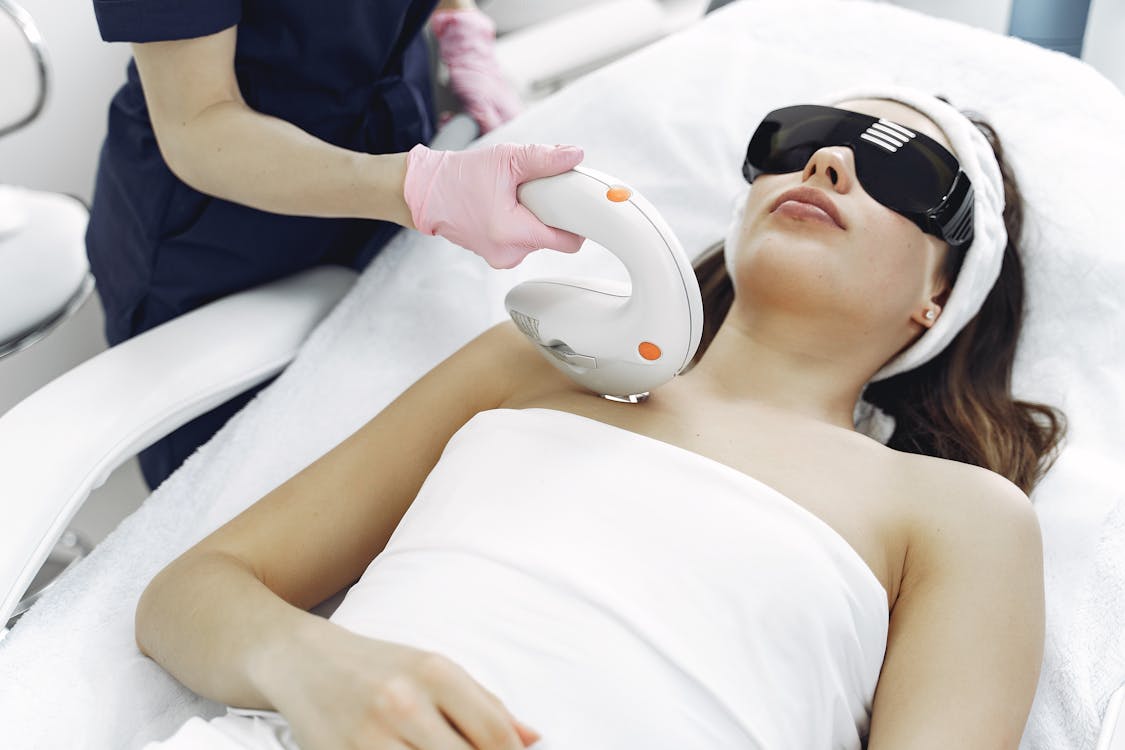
[617, 591]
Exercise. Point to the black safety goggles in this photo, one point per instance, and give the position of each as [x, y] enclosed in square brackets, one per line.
[907, 172]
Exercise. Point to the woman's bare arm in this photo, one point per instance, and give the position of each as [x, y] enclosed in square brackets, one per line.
[218, 616]
[966, 636]
[217, 144]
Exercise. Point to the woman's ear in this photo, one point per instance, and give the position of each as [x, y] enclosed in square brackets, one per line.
[926, 315]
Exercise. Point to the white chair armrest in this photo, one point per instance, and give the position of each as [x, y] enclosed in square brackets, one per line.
[64, 440]
[1112, 736]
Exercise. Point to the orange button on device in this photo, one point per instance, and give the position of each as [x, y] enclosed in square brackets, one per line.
[649, 350]
[618, 193]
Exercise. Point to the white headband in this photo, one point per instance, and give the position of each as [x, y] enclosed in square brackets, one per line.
[981, 266]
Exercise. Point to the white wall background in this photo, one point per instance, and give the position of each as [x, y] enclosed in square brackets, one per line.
[1104, 43]
[59, 153]
[987, 14]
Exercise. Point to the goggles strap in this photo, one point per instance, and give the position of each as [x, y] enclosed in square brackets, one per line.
[954, 215]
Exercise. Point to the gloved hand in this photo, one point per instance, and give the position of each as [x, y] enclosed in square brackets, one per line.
[466, 43]
[469, 198]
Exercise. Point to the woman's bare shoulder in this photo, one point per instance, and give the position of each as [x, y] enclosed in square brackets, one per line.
[948, 483]
[955, 507]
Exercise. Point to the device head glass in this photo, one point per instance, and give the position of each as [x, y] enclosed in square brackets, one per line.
[906, 171]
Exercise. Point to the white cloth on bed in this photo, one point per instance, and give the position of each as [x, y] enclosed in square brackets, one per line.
[617, 591]
[672, 120]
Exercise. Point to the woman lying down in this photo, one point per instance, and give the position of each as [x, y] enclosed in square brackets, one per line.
[727, 564]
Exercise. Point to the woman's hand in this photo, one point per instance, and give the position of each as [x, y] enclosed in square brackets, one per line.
[342, 690]
[466, 42]
[469, 197]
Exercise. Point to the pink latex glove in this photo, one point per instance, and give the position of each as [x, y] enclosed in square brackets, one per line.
[469, 198]
[466, 43]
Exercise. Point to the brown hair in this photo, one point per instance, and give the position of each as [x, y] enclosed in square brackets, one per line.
[958, 405]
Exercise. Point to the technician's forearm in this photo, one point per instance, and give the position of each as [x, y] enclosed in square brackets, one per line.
[455, 5]
[219, 630]
[232, 152]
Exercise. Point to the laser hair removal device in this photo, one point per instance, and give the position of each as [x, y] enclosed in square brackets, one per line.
[618, 340]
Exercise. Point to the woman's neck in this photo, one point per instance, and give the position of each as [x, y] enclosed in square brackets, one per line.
[785, 372]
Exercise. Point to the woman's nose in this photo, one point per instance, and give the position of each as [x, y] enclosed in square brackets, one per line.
[834, 162]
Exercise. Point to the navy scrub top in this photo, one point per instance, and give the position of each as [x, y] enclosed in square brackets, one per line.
[354, 73]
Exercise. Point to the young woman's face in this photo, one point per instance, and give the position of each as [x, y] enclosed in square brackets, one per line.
[879, 268]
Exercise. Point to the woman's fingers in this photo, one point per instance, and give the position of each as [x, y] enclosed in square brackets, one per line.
[527, 735]
[411, 714]
[478, 716]
[390, 745]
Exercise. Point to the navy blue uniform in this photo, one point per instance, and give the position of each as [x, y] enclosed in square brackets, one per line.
[354, 73]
